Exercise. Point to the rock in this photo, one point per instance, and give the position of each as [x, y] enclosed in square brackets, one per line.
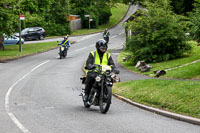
[126, 58]
[145, 68]
[159, 73]
[140, 64]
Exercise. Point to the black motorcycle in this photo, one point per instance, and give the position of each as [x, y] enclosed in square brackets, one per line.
[62, 51]
[101, 91]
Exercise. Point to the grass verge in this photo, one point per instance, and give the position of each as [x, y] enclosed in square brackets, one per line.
[12, 51]
[191, 71]
[177, 96]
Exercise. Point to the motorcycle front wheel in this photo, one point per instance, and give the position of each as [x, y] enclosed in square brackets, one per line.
[60, 53]
[105, 100]
[86, 105]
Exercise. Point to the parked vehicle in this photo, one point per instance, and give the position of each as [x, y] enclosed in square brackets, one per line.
[101, 91]
[12, 40]
[32, 33]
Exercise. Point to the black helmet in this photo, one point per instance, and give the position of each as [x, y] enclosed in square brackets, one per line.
[100, 44]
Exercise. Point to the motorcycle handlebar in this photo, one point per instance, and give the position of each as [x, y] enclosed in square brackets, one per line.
[93, 67]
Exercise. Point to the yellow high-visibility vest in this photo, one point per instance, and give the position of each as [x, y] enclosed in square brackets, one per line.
[105, 58]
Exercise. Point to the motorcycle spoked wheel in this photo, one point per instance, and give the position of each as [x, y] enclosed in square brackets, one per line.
[91, 96]
[106, 100]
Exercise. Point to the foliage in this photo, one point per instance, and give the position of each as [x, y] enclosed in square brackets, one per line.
[7, 18]
[49, 14]
[158, 35]
[195, 19]
[99, 11]
[182, 6]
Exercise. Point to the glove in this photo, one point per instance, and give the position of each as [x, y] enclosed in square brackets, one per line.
[90, 67]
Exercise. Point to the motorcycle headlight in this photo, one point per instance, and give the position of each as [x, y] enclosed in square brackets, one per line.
[98, 79]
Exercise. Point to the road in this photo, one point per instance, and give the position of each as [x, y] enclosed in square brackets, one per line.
[40, 94]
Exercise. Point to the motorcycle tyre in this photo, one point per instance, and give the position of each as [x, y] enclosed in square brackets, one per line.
[65, 54]
[101, 101]
[86, 105]
[60, 53]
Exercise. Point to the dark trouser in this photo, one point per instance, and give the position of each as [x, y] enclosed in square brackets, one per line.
[90, 79]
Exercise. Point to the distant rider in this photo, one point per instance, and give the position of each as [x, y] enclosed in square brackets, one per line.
[106, 35]
[98, 57]
[65, 42]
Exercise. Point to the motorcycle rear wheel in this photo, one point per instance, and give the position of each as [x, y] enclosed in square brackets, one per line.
[106, 100]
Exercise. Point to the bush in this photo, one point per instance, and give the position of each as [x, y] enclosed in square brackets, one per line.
[195, 26]
[158, 35]
[57, 29]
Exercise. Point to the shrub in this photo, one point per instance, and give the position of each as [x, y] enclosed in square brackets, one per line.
[158, 35]
[195, 19]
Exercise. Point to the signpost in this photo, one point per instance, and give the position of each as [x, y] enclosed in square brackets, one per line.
[21, 17]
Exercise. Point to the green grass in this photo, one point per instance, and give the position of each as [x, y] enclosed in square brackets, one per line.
[118, 13]
[12, 51]
[181, 97]
[187, 72]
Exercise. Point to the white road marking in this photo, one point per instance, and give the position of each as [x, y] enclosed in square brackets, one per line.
[121, 33]
[86, 37]
[114, 36]
[80, 49]
[7, 107]
[92, 45]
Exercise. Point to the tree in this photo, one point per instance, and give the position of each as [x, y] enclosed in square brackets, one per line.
[182, 6]
[7, 19]
[158, 35]
[99, 10]
[195, 19]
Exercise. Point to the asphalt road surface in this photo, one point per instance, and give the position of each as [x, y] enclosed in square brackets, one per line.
[40, 94]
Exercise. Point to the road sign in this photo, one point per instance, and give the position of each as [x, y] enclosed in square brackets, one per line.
[22, 17]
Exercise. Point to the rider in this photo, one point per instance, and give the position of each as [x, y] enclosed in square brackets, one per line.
[98, 57]
[107, 34]
[65, 42]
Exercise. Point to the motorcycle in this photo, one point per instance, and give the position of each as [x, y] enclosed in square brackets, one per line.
[62, 50]
[101, 91]
[106, 38]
